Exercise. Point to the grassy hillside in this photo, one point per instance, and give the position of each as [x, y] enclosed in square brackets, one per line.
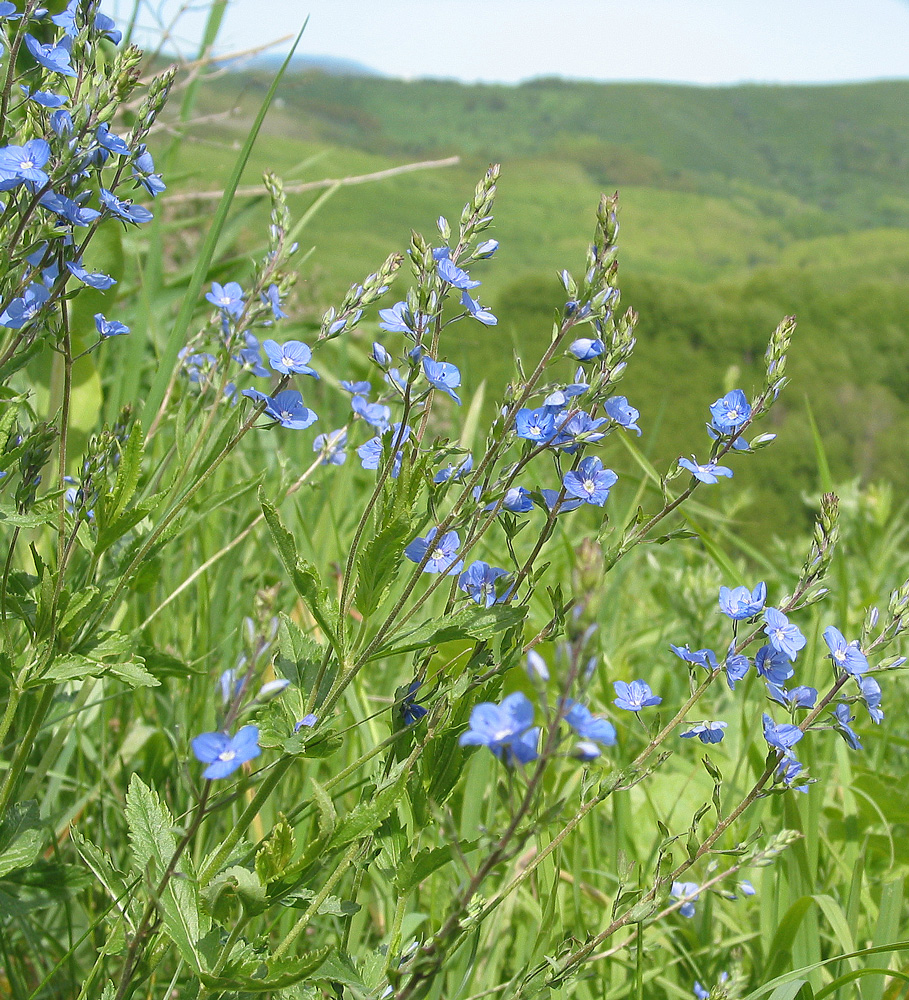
[739, 205]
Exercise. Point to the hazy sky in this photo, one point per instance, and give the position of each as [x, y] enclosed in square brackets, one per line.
[692, 41]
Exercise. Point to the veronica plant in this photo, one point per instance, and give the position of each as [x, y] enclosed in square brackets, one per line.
[293, 807]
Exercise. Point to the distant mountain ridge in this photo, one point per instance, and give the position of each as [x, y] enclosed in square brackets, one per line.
[330, 65]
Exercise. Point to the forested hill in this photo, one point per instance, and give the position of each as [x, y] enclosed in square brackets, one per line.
[842, 149]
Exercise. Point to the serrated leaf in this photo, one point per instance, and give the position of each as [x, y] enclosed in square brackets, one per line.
[301, 659]
[369, 812]
[378, 564]
[268, 975]
[276, 852]
[102, 867]
[153, 844]
[42, 512]
[21, 837]
[117, 528]
[303, 575]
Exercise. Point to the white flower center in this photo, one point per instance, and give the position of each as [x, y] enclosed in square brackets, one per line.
[733, 414]
[227, 755]
[589, 486]
[286, 361]
[437, 554]
[839, 654]
[27, 164]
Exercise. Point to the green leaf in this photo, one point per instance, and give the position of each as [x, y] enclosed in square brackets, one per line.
[153, 844]
[21, 837]
[234, 884]
[301, 659]
[265, 976]
[102, 867]
[370, 811]
[328, 817]
[303, 575]
[799, 989]
[42, 512]
[421, 866]
[276, 852]
[108, 653]
[471, 623]
[378, 564]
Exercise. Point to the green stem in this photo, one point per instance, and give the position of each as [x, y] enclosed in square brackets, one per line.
[323, 894]
[265, 789]
[24, 746]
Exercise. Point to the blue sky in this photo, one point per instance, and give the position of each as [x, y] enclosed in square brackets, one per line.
[688, 41]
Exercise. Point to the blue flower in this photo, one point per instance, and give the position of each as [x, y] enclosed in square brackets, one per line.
[24, 163]
[289, 358]
[846, 655]
[705, 473]
[107, 27]
[380, 355]
[454, 472]
[618, 410]
[681, 890]
[843, 718]
[307, 722]
[52, 57]
[250, 360]
[705, 658]
[553, 503]
[788, 772]
[224, 754]
[730, 412]
[740, 604]
[590, 482]
[634, 696]
[100, 281]
[442, 375]
[536, 666]
[799, 697]
[110, 141]
[783, 637]
[143, 169]
[871, 693]
[288, 410]
[228, 298]
[506, 729]
[375, 414]
[399, 319]
[487, 248]
[125, 209]
[24, 309]
[589, 726]
[356, 388]
[773, 665]
[44, 97]
[66, 19]
[559, 397]
[736, 666]
[450, 272]
[706, 732]
[480, 314]
[411, 710]
[332, 447]
[443, 554]
[535, 425]
[781, 737]
[68, 209]
[371, 452]
[479, 582]
[517, 500]
[109, 327]
[578, 429]
[586, 349]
